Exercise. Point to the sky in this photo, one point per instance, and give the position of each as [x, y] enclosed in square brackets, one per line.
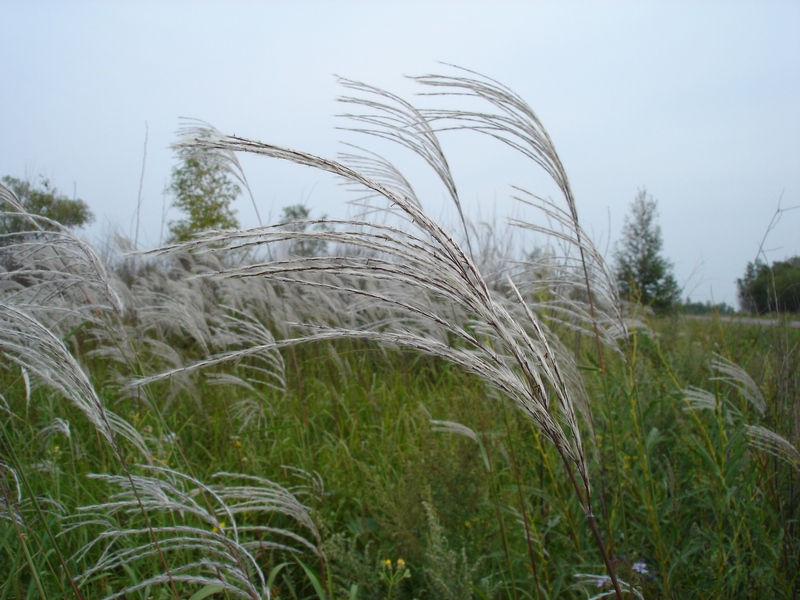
[698, 102]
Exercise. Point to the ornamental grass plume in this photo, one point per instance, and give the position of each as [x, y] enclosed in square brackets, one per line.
[418, 284]
[48, 271]
[759, 437]
[168, 309]
[51, 286]
[213, 524]
[51, 283]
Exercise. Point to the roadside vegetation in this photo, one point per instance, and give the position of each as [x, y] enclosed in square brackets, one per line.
[380, 408]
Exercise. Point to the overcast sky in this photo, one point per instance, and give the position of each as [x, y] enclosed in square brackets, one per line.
[697, 101]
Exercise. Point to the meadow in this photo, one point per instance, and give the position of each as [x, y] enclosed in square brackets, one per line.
[406, 412]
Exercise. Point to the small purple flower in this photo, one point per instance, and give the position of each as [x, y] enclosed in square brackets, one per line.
[640, 567]
[603, 581]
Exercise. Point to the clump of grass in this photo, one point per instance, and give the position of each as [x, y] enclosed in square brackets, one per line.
[43, 269]
[500, 339]
[164, 472]
[211, 520]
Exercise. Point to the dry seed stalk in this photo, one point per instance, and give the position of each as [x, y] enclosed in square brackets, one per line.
[504, 342]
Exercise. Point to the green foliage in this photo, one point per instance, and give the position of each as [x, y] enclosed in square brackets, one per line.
[764, 289]
[45, 200]
[642, 273]
[203, 191]
[448, 573]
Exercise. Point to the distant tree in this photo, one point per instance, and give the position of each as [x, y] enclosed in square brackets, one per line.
[745, 287]
[203, 191]
[294, 218]
[641, 272]
[765, 289]
[706, 308]
[44, 200]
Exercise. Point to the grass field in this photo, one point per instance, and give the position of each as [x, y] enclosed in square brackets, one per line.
[401, 417]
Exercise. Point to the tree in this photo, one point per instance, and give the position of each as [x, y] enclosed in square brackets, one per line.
[294, 218]
[764, 289]
[640, 270]
[203, 191]
[44, 200]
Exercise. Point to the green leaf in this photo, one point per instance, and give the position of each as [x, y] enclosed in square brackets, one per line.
[478, 592]
[274, 573]
[207, 591]
[314, 581]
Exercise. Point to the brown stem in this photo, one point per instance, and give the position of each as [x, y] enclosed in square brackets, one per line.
[606, 559]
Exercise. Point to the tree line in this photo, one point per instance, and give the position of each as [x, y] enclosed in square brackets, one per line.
[203, 192]
[770, 288]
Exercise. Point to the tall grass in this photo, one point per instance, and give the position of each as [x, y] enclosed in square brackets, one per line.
[419, 413]
[499, 339]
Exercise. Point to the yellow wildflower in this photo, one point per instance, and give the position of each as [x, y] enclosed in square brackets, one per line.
[221, 528]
